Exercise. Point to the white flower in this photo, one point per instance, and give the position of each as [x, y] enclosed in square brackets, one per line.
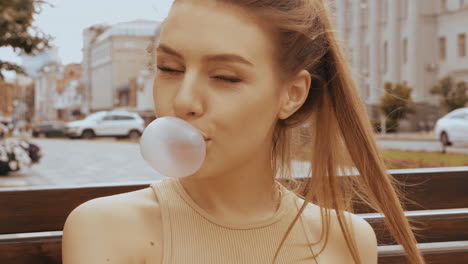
[24, 144]
[19, 151]
[13, 165]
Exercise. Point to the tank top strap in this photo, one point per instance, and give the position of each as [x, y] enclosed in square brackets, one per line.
[166, 195]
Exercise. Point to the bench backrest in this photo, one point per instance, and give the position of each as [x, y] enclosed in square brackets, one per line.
[43, 209]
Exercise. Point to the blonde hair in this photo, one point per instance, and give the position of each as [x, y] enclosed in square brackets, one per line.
[341, 134]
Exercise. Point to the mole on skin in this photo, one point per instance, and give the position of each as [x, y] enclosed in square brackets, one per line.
[152, 243]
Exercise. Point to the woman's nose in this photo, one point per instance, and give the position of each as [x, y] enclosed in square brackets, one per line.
[187, 102]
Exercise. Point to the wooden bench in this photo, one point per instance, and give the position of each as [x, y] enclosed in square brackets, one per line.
[31, 218]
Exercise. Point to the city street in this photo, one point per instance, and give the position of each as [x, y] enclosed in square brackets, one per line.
[420, 145]
[82, 162]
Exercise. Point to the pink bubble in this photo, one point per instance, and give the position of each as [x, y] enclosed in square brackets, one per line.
[173, 147]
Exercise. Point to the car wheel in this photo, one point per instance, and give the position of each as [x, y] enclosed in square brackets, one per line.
[87, 134]
[444, 139]
[134, 135]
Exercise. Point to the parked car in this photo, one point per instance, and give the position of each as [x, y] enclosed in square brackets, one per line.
[48, 129]
[452, 129]
[107, 123]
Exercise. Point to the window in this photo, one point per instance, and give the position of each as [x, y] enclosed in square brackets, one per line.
[384, 11]
[385, 56]
[405, 50]
[405, 8]
[442, 48]
[366, 58]
[348, 14]
[443, 6]
[129, 45]
[459, 116]
[364, 12]
[462, 45]
[124, 118]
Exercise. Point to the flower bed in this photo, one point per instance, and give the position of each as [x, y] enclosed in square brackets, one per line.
[16, 154]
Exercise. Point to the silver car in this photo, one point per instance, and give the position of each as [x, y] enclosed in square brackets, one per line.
[107, 124]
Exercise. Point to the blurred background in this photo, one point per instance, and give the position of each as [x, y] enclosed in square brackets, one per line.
[76, 85]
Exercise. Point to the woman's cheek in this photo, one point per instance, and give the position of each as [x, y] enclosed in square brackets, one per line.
[161, 103]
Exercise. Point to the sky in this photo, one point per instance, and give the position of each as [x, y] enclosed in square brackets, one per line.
[66, 20]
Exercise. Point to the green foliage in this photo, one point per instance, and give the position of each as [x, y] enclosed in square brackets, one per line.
[17, 31]
[452, 95]
[390, 125]
[396, 103]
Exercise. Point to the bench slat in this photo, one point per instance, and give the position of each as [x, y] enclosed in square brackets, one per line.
[453, 252]
[438, 225]
[47, 250]
[37, 209]
[33, 250]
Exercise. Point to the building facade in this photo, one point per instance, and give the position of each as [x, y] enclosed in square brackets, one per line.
[113, 56]
[45, 91]
[68, 98]
[416, 42]
[17, 99]
[8, 94]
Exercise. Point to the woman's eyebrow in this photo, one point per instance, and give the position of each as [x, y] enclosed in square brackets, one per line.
[227, 57]
[166, 49]
[224, 57]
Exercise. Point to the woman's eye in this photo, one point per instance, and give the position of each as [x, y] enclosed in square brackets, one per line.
[169, 70]
[228, 79]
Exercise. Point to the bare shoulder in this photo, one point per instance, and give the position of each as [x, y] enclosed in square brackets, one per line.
[118, 228]
[361, 230]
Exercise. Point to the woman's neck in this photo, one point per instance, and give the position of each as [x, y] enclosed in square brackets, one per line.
[248, 191]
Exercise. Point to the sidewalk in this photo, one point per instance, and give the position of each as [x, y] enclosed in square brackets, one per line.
[412, 136]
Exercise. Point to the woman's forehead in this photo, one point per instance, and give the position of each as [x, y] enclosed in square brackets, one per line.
[196, 27]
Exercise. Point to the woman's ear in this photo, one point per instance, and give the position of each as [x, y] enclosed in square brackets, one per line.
[294, 94]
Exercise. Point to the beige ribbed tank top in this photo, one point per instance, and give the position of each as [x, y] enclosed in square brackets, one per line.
[191, 235]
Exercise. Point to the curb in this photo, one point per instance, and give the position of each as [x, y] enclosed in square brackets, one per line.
[415, 137]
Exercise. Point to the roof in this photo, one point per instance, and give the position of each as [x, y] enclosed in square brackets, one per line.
[140, 28]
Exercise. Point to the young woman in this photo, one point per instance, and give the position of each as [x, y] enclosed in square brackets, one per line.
[245, 73]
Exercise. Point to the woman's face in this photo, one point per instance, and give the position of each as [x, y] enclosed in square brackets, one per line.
[215, 69]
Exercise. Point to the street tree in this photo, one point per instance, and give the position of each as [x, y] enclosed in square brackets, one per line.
[396, 103]
[18, 32]
[452, 94]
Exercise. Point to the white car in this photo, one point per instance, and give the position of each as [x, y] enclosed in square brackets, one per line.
[105, 124]
[453, 127]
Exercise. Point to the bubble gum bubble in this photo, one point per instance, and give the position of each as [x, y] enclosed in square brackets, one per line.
[173, 147]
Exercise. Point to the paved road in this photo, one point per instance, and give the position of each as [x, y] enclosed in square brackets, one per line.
[82, 162]
[414, 145]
